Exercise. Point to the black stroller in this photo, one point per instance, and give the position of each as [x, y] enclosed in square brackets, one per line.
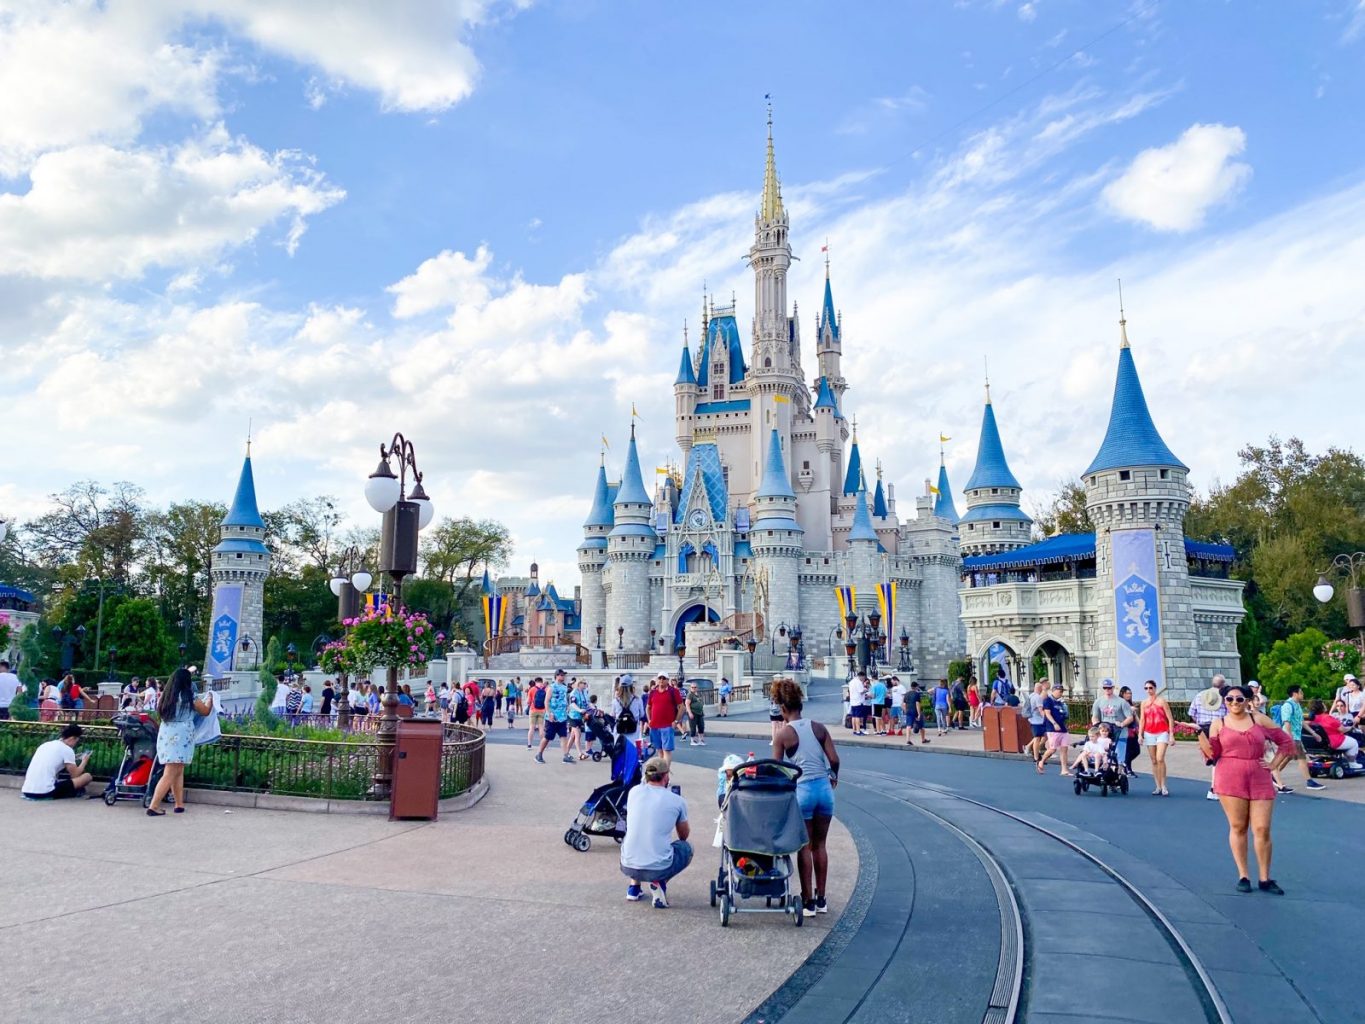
[139, 771]
[761, 831]
[1110, 776]
[599, 732]
[604, 811]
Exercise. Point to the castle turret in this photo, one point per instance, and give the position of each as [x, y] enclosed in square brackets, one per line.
[1137, 494]
[993, 521]
[239, 567]
[776, 536]
[685, 396]
[853, 479]
[630, 545]
[944, 507]
[829, 345]
[592, 559]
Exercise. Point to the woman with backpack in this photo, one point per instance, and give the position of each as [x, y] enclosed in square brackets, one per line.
[628, 709]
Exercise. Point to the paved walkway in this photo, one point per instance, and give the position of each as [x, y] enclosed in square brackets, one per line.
[1184, 761]
[249, 915]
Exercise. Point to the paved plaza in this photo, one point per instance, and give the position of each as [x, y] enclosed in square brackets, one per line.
[271, 916]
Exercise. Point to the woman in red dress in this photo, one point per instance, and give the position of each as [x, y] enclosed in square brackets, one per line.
[1242, 782]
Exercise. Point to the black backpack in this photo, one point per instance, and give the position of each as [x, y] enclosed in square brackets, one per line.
[626, 722]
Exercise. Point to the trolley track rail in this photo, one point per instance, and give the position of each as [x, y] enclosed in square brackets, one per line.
[1009, 997]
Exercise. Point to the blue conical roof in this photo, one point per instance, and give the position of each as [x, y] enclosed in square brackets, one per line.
[600, 514]
[854, 477]
[243, 511]
[991, 468]
[775, 482]
[632, 491]
[862, 522]
[1132, 438]
[824, 396]
[827, 315]
[686, 375]
[879, 501]
[943, 504]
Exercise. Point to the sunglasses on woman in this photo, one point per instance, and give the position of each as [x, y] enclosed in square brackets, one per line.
[1234, 700]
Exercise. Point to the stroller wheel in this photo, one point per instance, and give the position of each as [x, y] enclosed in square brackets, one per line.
[569, 837]
[1104, 791]
[726, 908]
[768, 901]
[583, 844]
[797, 915]
[110, 795]
[1077, 786]
[1123, 786]
[713, 892]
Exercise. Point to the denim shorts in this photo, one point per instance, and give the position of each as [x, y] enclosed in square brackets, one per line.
[815, 797]
[661, 739]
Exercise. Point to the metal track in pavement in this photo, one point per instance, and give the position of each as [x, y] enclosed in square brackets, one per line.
[1005, 999]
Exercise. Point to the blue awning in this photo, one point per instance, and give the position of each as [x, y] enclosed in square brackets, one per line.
[20, 595]
[1078, 547]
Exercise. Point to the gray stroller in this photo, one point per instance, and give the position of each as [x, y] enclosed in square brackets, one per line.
[761, 831]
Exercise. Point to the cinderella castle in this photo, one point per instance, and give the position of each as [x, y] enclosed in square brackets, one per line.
[773, 509]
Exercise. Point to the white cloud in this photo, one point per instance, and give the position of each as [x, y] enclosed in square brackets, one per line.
[447, 280]
[97, 213]
[1171, 188]
[1028, 11]
[1355, 28]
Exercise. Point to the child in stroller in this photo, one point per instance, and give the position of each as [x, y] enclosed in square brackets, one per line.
[762, 831]
[604, 811]
[600, 736]
[139, 771]
[1097, 765]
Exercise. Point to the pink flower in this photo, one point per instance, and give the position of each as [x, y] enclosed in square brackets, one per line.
[419, 630]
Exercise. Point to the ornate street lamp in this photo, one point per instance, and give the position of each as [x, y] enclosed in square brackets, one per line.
[620, 638]
[405, 513]
[1351, 566]
[682, 649]
[247, 642]
[904, 663]
[113, 656]
[69, 641]
[752, 644]
[349, 582]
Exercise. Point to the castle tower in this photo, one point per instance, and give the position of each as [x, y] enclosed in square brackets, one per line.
[993, 521]
[943, 501]
[239, 567]
[829, 345]
[685, 396]
[863, 561]
[1137, 493]
[776, 387]
[776, 537]
[853, 479]
[592, 561]
[630, 546]
[824, 480]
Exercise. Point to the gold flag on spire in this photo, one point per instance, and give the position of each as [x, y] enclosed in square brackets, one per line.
[605, 442]
[943, 438]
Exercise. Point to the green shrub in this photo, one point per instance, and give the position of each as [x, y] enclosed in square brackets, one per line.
[1307, 659]
[959, 669]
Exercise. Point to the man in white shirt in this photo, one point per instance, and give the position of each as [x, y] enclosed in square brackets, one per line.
[897, 705]
[649, 853]
[54, 773]
[10, 687]
[857, 700]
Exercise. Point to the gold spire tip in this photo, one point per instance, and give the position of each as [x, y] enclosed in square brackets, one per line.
[1123, 320]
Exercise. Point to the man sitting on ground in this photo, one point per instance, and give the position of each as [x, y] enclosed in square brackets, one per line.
[51, 775]
[649, 853]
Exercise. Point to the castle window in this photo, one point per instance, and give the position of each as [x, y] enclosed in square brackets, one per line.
[1125, 474]
[995, 525]
[239, 554]
[718, 391]
[971, 526]
[805, 464]
[995, 490]
[1165, 473]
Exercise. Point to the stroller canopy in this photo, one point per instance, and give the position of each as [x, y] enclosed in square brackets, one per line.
[762, 814]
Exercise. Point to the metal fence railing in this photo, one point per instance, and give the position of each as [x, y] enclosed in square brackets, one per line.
[329, 769]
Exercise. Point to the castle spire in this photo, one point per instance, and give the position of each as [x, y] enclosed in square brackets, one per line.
[686, 375]
[601, 513]
[862, 522]
[244, 511]
[943, 501]
[771, 207]
[991, 468]
[775, 482]
[632, 490]
[1132, 438]
[853, 478]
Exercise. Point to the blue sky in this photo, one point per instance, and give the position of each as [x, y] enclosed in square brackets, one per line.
[484, 223]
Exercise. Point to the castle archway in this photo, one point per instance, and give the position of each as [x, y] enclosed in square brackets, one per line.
[696, 612]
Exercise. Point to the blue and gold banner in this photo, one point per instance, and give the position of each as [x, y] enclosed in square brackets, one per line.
[847, 598]
[494, 614]
[375, 602]
[224, 628]
[886, 601]
[1137, 610]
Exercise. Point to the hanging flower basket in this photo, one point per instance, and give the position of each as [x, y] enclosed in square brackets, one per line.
[383, 638]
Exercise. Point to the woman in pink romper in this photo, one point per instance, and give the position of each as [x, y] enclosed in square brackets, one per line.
[1236, 745]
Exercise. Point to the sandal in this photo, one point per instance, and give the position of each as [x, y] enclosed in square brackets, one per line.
[180, 810]
[155, 814]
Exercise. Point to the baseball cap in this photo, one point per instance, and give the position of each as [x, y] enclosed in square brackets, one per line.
[731, 761]
[1107, 684]
[656, 768]
[1253, 682]
[1349, 678]
[1056, 686]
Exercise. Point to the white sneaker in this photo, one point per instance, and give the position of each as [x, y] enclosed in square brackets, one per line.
[1210, 795]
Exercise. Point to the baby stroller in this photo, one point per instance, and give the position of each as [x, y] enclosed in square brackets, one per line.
[1110, 776]
[599, 732]
[604, 811]
[139, 771]
[761, 831]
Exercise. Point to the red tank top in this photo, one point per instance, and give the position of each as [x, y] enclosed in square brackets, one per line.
[1154, 719]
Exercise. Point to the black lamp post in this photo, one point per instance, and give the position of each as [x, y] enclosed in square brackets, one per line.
[682, 649]
[752, 644]
[113, 656]
[864, 638]
[69, 641]
[404, 515]
[182, 655]
[290, 653]
[349, 582]
[904, 664]
[620, 638]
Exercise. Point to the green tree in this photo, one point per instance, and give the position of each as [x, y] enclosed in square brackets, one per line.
[1304, 659]
[177, 556]
[458, 550]
[299, 607]
[91, 530]
[1065, 513]
[139, 633]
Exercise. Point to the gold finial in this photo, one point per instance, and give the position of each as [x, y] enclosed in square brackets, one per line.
[987, 362]
[825, 249]
[771, 208]
[248, 437]
[1123, 321]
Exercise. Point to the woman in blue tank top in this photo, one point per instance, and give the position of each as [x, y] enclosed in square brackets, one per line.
[809, 746]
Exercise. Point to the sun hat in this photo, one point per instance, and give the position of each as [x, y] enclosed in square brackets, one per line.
[731, 762]
[656, 768]
[1210, 700]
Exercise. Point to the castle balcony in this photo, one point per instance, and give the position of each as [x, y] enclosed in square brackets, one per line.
[1069, 599]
